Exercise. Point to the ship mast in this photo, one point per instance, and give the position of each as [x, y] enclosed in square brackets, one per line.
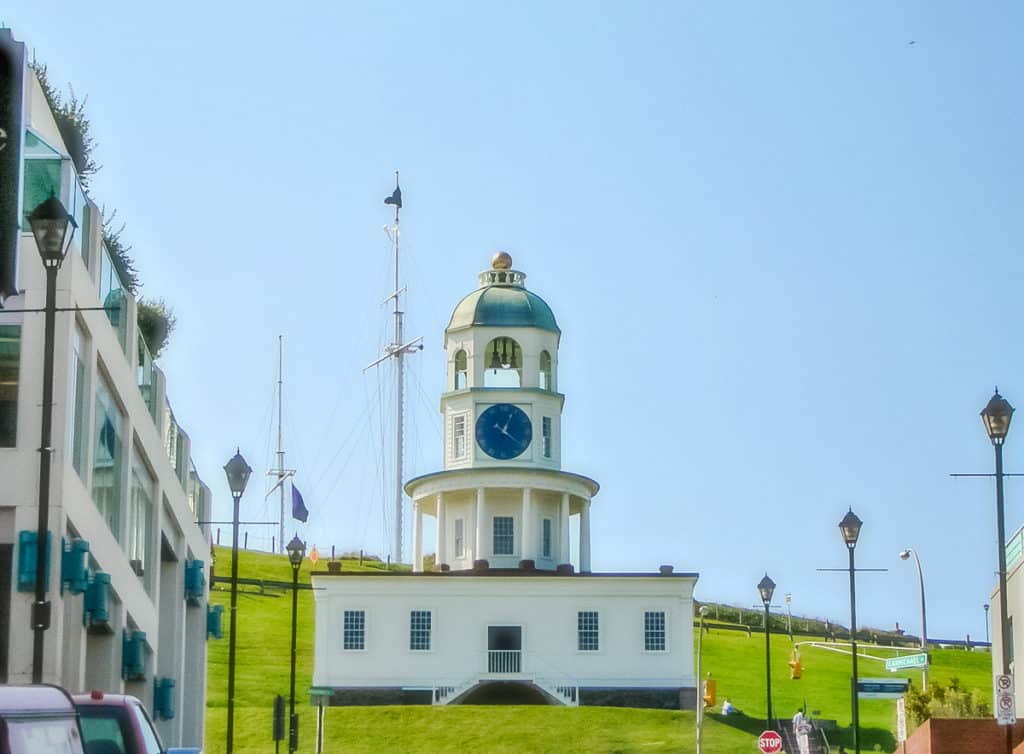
[396, 350]
[281, 473]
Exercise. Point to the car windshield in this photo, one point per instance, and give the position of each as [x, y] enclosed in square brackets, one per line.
[39, 736]
[102, 735]
[105, 728]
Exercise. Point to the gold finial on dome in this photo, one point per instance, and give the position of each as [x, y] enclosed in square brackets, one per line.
[501, 261]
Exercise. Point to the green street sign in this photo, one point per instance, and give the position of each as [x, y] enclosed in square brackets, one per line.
[906, 661]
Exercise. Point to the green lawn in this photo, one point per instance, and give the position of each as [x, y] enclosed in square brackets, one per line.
[735, 661]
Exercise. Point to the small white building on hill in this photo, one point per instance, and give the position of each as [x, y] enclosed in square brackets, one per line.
[504, 617]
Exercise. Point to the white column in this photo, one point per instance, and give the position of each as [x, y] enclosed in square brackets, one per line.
[440, 555]
[564, 529]
[417, 536]
[526, 543]
[478, 552]
[585, 537]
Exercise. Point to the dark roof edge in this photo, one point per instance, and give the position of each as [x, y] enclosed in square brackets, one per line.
[517, 572]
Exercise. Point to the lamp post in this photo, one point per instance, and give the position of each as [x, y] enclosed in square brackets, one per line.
[850, 529]
[767, 588]
[296, 552]
[700, 680]
[238, 472]
[996, 416]
[49, 222]
[985, 608]
[789, 615]
[905, 555]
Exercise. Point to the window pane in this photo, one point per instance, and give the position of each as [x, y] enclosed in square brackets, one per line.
[42, 178]
[354, 629]
[546, 428]
[458, 436]
[587, 631]
[140, 517]
[419, 630]
[78, 398]
[10, 357]
[502, 535]
[654, 631]
[545, 544]
[460, 538]
[108, 457]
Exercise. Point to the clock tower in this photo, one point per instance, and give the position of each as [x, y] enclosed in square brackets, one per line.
[502, 500]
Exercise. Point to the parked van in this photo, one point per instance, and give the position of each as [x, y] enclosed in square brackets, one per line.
[38, 720]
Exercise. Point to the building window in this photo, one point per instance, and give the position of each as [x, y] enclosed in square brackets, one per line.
[461, 373]
[78, 396]
[545, 538]
[355, 629]
[544, 380]
[459, 436]
[654, 631]
[419, 630]
[546, 427]
[460, 538]
[107, 458]
[587, 631]
[10, 357]
[140, 516]
[503, 535]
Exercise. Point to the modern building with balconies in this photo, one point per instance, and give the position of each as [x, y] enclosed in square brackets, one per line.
[125, 557]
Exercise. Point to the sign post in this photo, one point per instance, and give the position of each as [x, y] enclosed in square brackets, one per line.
[1006, 708]
[901, 720]
[769, 742]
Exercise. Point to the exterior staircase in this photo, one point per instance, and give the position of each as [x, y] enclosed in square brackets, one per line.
[446, 694]
[561, 691]
[817, 743]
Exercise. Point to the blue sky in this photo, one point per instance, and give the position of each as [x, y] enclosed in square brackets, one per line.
[781, 241]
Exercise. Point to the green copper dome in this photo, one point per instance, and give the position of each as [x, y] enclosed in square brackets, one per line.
[503, 301]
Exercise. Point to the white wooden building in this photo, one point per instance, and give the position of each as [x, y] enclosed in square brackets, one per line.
[504, 616]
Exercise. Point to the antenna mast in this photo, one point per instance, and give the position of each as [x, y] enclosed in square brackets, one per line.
[396, 350]
[281, 473]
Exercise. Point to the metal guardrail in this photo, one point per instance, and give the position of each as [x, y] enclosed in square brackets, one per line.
[504, 660]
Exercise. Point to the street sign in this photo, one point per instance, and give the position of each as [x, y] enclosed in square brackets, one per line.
[906, 661]
[881, 688]
[1006, 709]
[769, 742]
[901, 720]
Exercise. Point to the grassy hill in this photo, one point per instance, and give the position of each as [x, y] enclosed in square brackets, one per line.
[734, 660]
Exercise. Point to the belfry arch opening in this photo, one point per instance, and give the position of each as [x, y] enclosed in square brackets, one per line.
[461, 370]
[545, 379]
[504, 365]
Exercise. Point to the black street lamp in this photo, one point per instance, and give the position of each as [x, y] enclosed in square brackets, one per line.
[49, 222]
[850, 528]
[767, 588]
[296, 552]
[996, 416]
[238, 472]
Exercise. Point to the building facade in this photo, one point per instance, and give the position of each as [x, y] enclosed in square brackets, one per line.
[504, 614]
[126, 553]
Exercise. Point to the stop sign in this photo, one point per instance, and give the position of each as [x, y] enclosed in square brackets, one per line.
[769, 742]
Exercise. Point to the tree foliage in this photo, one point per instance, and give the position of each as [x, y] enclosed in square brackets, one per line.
[119, 249]
[945, 701]
[156, 323]
[74, 126]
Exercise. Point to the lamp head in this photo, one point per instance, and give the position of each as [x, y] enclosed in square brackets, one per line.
[996, 417]
[850, 528]
[767, 588]
[296, 550]
[905, 555]
[704, 610]
[49, 222]
[238, 472]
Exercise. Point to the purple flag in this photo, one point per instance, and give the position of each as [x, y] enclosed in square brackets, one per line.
[299, 511]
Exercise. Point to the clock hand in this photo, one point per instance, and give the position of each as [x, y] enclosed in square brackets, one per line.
[507, 422]
[502, 430]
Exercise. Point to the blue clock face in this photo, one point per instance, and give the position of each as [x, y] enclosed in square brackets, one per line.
[503, 431]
